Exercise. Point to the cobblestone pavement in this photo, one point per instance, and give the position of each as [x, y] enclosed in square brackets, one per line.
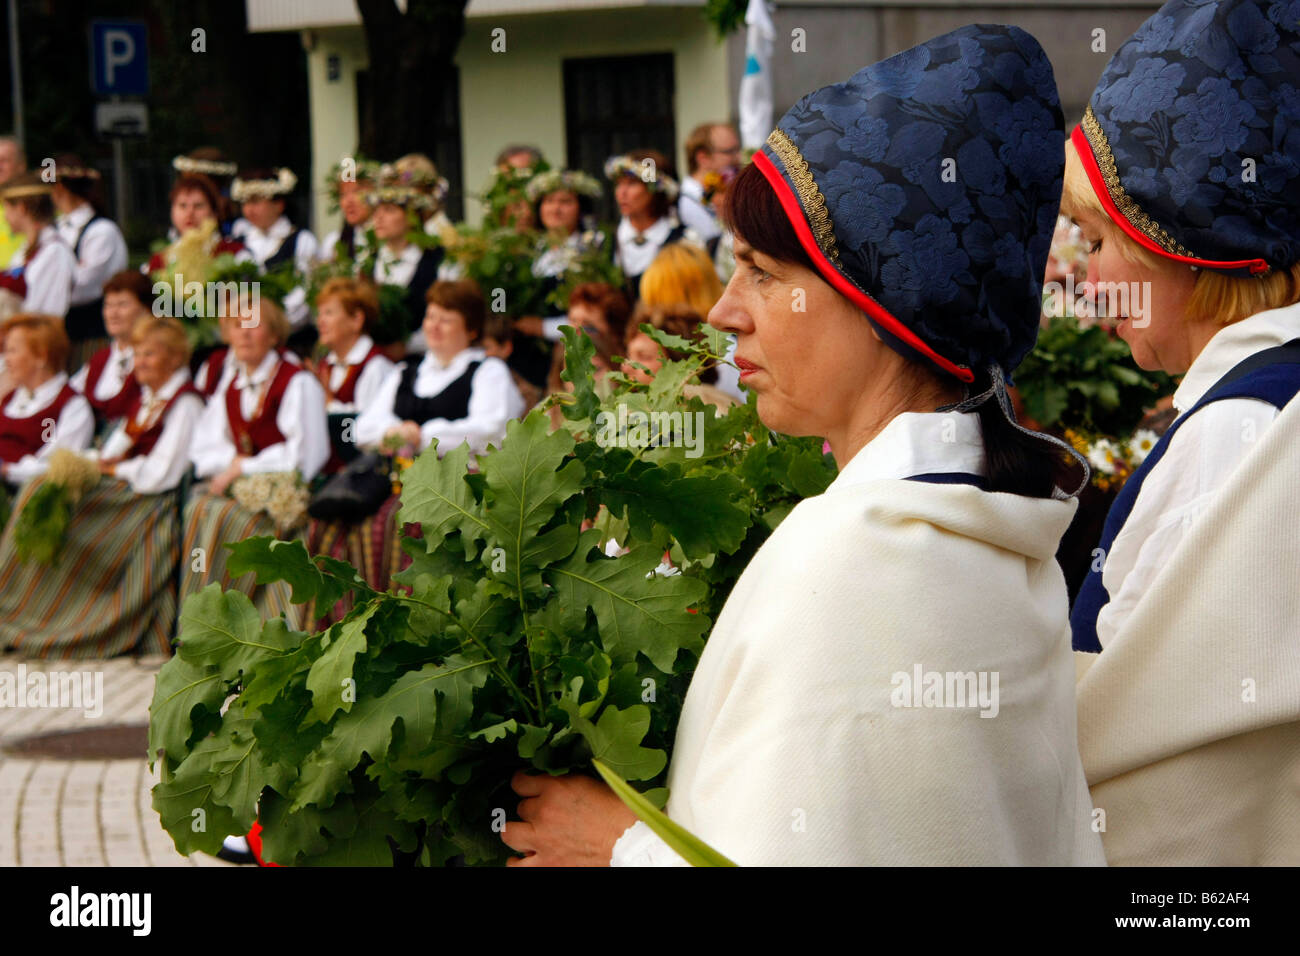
[82, 811]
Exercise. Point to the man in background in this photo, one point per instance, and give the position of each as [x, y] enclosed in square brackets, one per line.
[13, 161]
[712, 155]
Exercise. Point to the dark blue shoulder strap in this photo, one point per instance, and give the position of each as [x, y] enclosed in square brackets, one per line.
[1271, 375]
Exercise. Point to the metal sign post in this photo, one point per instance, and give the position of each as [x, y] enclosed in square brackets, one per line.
[119, 58]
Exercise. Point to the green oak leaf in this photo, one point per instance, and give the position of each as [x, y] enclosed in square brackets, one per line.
[331, 674]
[274, 560]
[705, 513]
[223, 628]
[635, 613]
[578, 352]
[368, 727]
[615, 738]
[527, 480]
[436, 495]
[177, 799]
[180, 687]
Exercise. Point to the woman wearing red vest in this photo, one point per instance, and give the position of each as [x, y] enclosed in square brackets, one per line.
[42, 412]
[106, 380]
[103, 599]
[269, 417]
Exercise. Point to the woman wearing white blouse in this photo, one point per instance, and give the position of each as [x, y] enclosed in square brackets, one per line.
[43, 270]
[456, 393]
[268, 417]
[280, 420]
[106, 379]
[95, 240]
[42, 412]
[102, 599]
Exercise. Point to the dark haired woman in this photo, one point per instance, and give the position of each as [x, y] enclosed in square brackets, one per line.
[349, 240]
[455, 393]
[646, 193]
[835, 717]
[211, 162]
[97, 243]
[562, 200]
[272, 239]
[106, 379]
[43, 269]
[395, 215]
[195, 201]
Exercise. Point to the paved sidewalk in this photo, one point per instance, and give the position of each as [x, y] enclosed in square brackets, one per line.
[82, 812]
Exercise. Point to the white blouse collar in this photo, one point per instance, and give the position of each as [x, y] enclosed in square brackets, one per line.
[358, 352]
[45, 393]
[260, 374]
[918, 443]
[459, 360]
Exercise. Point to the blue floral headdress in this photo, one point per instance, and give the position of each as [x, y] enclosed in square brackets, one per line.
[1192, 139]
[925, 189]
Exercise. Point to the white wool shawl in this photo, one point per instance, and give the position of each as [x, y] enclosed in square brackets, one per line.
[1189, 720]
[791, 749]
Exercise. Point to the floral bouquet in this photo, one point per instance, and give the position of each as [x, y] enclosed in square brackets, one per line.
[282, 496]
[1112, 460]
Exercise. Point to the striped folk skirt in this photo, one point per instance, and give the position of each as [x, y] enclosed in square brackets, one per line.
[210, 522]
[371, 545]
[114, 588]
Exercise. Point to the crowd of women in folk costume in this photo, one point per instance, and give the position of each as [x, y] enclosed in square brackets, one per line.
[1183, 173]
[295, 387]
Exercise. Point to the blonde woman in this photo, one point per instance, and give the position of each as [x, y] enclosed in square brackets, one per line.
[1189, 715]
[682, 275]
[267, 418]
[103, 599]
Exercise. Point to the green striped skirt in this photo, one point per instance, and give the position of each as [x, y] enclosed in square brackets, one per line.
[210, 522]
[114, 588]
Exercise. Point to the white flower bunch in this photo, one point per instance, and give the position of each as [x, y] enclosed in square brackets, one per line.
[282, 496]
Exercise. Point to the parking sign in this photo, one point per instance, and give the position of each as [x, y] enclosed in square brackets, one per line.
[119, 58]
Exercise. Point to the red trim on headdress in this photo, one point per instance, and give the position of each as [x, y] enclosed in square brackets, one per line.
[1089, 161]
[794, 212]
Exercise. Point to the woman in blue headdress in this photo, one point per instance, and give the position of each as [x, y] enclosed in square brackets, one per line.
[890, 680]
[1185, 178]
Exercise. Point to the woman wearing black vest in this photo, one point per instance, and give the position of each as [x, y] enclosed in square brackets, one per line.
[646, 194]
[273, 240]
[95, 240]
[456, 393]
[395, 218]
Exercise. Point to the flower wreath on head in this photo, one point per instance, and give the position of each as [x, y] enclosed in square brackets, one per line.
[555, 180]
[406, 196]
[208, 167]
[435, 187]
[242, 190]
[617, 166]
[365, 170]
[75, 172]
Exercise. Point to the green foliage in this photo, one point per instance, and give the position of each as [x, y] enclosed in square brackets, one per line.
[1086, 380]
[498, 258]
[513, 640]
[687, 845]
[40, 530]
[725, 15]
